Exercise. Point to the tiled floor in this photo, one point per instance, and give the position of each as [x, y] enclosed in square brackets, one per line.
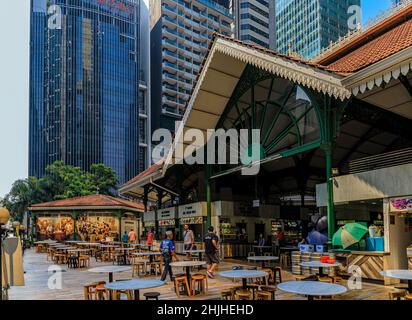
[38, 276]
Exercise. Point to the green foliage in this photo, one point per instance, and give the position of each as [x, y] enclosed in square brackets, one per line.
[60, 182]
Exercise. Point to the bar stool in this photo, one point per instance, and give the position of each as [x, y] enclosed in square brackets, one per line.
[139, 268]
[397, 294]
[243, 294]
[263, 295]
[90, 289]
[84, 261]
[277, 274]
[152, 295]
[270, 290]
[227, 294]
[284, 260]
[199, 280]
[181, 281]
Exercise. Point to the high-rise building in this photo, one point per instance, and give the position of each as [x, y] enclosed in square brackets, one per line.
[181, 31]
[304, 27]
[255, 22]
[84, 85]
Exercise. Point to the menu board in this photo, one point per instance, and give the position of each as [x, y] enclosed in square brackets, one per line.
[96, 228]
[56, 227]
[166, 214]
[198, 209]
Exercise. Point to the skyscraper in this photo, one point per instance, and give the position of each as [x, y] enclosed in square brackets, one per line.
[306, 26]
[181, 32]
[84, 84]
[255, 22]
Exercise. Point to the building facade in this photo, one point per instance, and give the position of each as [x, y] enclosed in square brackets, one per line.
[255, 22]
[181, 32]
[84, 85]
[304, 27]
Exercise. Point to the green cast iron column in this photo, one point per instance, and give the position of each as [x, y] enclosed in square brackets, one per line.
[208, 195]
[329, 189]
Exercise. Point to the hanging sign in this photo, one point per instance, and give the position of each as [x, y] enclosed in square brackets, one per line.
[166, 214]
[198, 209]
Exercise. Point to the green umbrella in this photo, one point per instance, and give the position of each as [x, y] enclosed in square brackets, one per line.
[349, 234]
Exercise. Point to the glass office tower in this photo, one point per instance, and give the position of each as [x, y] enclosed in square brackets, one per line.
[181, 31]
[84, 84]
[305, 27]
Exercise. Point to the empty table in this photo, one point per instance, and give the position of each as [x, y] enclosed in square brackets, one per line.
[135, 285]
[79, 251]
[110, 270]
[262, 259]
[399, 274]
[148, 253]
[312, 289]
[244, 275]
[320, 266]
[187, 265]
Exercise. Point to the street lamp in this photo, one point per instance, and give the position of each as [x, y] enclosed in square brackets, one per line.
[4, 218]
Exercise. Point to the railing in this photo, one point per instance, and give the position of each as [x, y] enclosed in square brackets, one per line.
[384, 160]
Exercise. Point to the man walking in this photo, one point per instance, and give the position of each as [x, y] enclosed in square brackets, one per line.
[188, 240]
[167, 248]
[211, 251]
[125, 238]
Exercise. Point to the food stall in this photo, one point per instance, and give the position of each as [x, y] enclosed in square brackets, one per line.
[166, 219]
[149, 222]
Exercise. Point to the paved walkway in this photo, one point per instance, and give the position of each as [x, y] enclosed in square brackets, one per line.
[37, 277]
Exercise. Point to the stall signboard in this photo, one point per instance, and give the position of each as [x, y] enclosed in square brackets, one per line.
[167, 223]
[166, 214]
[191, 220]
[55, 227]
[198, 209]
[149, 216]
[403, 204]
[96, 228]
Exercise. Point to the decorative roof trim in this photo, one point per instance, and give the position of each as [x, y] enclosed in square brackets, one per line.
[307, 76]
[379, 73]
[81, 208]
[322, 81]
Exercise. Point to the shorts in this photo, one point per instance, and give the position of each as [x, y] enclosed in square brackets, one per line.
[188, 247]
[212, 258]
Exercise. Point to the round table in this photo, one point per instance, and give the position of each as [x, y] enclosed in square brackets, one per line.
[148, 253]
[125, 260]
[187, 265]
[244, 275]
[319, 265]
[262, 259]
[110, 270]
[312, 289]
[135, 285]
[399, 274]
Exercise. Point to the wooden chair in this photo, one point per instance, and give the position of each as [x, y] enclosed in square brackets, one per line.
[269, 278]
[397, 294]
[139, 268]
[181, 281]
[325, 279]
[84, 261]
[243, 294]
[199, 281]
[90, 290]
[269, 289]
[227, 294]
[263, 295]
[284, 260]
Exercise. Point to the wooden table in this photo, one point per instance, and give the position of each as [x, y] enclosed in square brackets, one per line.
[401, 275]
[135, 285]
[312, 289]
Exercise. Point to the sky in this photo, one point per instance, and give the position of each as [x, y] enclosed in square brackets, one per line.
[14, 86]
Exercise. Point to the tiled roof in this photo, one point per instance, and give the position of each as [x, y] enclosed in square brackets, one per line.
[153, 168]
[383, 46]
[96, 200]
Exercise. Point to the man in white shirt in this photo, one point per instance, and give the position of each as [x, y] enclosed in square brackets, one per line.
[188, 240]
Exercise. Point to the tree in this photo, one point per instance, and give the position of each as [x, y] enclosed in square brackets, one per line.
[104, 178]
[60, 182]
